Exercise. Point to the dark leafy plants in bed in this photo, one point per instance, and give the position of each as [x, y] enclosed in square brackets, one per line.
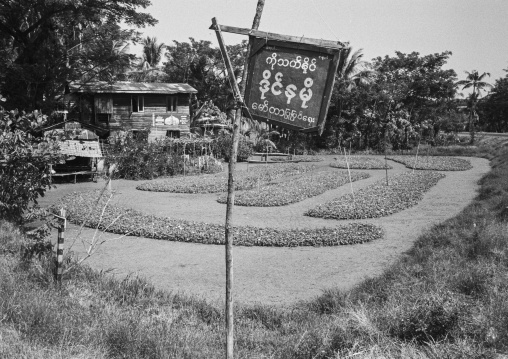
[434, 163]
[88, 209]
[218, 183]
[404, 190]
[299, 158]
[360, 163]
[294, 190]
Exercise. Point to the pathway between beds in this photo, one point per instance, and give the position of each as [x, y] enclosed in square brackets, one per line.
[265, 274]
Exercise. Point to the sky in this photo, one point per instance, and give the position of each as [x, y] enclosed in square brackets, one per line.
[475, 31]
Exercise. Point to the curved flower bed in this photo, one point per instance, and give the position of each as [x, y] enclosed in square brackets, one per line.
[360, 163]
[219, 182]
[434, 163]
[121, 220]
[296, 190]
[299, 158]
[378, 200]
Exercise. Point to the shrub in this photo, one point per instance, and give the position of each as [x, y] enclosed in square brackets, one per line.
[222, 147]
[136, 158]
[25, 171]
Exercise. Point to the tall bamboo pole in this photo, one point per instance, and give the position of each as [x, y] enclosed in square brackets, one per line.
[239, 92]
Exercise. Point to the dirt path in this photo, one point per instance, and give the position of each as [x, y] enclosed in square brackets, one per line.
[264, 274]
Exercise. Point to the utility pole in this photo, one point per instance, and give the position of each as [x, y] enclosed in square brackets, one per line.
[239, 94]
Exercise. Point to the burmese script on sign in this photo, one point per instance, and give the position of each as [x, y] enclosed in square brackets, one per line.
[288, 86]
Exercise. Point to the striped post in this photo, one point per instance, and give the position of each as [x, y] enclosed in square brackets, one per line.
[60, 246]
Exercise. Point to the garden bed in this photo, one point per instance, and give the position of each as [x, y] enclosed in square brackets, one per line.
[296, 190]
[404, 190]
[434, 163]
[360, 163]
[245, 179]
[299, 158]
[84, 208]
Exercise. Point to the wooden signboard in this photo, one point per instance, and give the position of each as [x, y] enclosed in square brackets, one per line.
[81, 148]
[289, 84]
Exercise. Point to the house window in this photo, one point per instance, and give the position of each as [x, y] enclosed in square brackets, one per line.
[103, 118]
[173, 134]
[172, 103]
[138, 103]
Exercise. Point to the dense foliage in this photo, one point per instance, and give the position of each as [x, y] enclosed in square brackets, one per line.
[201, 65]
[399, 98]
[291, 190]
[245, 179]
[378, 200]
[25, 160]
[493, 109]
[87, 208]
[136, 158]
[53, 42]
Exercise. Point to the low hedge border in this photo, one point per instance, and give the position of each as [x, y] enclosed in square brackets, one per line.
[378, 200]
[121, 220]
[286, 192]
[433, 163]
[360, 163]
[219, 182]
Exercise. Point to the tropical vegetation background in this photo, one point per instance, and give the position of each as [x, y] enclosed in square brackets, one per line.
[386, 101]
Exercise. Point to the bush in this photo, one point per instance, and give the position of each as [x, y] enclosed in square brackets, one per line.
[25, 171]
[136, 158]
[222, 147]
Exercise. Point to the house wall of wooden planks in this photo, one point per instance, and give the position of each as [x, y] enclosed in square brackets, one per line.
[165, 109]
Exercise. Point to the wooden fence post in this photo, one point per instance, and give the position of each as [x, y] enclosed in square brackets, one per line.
[60, 246]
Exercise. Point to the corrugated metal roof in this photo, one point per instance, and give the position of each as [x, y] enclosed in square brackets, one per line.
[131, 87]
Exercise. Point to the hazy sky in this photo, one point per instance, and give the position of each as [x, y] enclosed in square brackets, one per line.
[475, 31]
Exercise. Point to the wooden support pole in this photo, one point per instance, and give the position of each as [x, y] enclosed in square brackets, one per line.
[239, 93]
[60, 247]
[386, 163]
[416, 159]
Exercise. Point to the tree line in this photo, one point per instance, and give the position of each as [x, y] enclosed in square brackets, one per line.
[388, 101]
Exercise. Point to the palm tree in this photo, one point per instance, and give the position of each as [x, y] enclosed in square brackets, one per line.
[352, 69]
[147, 68]
[475, 81]
[152, 51]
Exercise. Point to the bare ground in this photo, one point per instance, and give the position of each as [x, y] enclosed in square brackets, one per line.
[266, 275]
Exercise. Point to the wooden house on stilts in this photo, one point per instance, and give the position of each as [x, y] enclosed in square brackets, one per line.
[163, 108]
